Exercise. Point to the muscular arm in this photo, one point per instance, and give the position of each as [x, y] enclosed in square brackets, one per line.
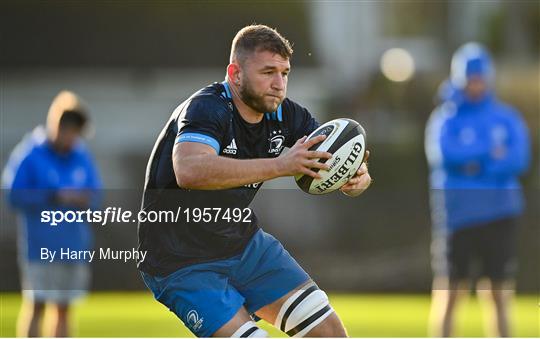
[197, 166]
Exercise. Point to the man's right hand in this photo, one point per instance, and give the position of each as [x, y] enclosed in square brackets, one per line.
[300, 160]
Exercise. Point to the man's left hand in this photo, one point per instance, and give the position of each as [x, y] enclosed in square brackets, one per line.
[360, 182]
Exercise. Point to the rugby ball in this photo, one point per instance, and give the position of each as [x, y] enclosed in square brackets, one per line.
[346, 140]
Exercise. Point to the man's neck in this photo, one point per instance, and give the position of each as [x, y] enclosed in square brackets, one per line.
[247, 113]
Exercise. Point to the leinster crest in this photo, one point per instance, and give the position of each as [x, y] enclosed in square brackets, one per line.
[276, 142]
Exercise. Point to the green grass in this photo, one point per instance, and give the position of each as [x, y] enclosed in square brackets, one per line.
[136, 314]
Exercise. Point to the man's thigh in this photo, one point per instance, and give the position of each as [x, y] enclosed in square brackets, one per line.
[462, 253]
[241, 325]
[278, 290]
[60, 283]
[203, 300]
[266, 272]
[498, 250]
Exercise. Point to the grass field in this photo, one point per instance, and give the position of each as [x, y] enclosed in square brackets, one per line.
[136, 314]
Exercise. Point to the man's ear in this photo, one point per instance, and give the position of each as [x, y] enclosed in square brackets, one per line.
[233, 73]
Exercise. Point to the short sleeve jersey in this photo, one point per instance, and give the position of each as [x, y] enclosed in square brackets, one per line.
[210, 117]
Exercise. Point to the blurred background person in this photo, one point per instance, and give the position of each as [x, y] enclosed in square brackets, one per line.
[51, 169]
[477, 147]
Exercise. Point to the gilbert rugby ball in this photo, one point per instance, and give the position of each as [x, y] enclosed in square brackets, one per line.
[346, 140]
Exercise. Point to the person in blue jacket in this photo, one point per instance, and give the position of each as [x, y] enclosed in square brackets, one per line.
[52, 170]
[477, 147]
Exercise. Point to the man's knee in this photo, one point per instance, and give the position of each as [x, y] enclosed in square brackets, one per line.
[306, 311]
[330, 327]
[34, 307]
[61, 311]
[241, 326]
[249, 330]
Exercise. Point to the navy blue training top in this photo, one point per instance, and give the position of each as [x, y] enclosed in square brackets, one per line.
[210, 117]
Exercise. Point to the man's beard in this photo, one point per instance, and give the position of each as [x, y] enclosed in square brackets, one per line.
[253, 100]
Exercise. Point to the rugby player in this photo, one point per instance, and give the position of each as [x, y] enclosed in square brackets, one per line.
[215, 151]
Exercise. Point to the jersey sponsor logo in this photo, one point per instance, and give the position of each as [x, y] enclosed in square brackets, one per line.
[231, 149]
[276, 142]
[193, 320]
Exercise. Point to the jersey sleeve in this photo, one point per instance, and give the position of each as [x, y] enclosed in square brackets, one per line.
[444, 146]
[517, 155]
[432, 135]
[301, 121]
[204, 120]
[456, 154]
[19, 185]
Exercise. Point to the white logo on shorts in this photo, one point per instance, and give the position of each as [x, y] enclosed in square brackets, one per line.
[193, 320]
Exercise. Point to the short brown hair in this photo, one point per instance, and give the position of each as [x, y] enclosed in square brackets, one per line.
[255, 38]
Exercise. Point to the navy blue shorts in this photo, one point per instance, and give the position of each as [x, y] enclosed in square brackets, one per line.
[206, 296]
[486, 250]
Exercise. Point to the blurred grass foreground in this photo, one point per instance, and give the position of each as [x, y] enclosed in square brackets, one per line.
[137, 314]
